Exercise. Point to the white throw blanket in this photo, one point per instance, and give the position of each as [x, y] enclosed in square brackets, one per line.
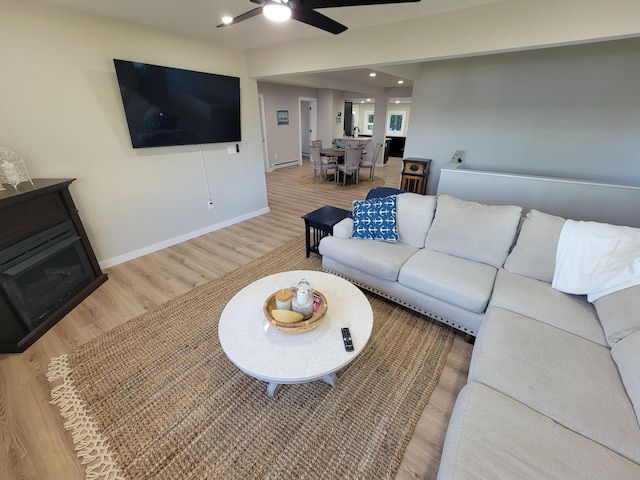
[596, 259]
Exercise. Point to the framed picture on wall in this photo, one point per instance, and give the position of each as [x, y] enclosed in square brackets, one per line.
[283, 117]
[395, 123]
[368, 122]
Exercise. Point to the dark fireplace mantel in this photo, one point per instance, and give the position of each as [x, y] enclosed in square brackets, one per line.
[47, 265]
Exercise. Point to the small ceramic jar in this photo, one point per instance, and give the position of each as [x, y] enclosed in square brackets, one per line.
[283, 299]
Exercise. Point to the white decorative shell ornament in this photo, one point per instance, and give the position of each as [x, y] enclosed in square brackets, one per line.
[12, 169]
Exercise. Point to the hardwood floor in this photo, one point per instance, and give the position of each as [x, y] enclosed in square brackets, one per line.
[33, 442]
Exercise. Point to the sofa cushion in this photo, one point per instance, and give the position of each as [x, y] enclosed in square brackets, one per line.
[534, 254]
[458, 281]
[483, 233]
[375, 219]
[619, 313]
[491, 436]
[626, 354]
[569, 379]
[538, 300]
[381, 259]
[414, 216]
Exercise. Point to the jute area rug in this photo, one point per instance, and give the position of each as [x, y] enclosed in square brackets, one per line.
[364, 184]
[156, 398]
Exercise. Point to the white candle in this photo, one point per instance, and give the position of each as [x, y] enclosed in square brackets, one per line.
[302, 296]
[283, 299]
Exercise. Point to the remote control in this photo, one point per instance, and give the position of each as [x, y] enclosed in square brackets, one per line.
[346, 338]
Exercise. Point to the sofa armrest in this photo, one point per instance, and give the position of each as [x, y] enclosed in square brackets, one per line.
[344, 228]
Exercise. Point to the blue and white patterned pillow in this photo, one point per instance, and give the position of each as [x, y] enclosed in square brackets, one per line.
[375, 219]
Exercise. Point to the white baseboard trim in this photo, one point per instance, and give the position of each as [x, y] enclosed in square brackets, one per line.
[285, 163]
[110, 262]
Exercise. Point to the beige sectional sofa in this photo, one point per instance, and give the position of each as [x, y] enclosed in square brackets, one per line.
[554, 382]
[444, 263]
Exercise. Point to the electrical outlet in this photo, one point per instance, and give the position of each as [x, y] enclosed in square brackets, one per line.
[275, 156]
[457, 157]
[210, 204]
[231, 150]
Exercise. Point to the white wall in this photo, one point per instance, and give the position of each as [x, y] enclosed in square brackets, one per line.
[61, 111]
[284, 140]
[575, 199]
[570, 112]
[501, 26]
[337, 107]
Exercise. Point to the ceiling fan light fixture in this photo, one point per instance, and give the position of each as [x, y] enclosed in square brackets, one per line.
[227, 20]
[276, 10]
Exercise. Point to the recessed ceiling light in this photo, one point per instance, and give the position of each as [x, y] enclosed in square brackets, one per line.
[227, 20]
[372, 74]
[400, 82]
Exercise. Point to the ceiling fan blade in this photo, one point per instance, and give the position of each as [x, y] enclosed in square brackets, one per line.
[348, 3]
[315, 19]
[303, 11]
[244, 16]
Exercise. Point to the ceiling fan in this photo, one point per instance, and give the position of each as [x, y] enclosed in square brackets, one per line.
[304, 11]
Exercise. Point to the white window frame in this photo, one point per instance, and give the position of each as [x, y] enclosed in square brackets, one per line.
[365, 123]
[397, 133]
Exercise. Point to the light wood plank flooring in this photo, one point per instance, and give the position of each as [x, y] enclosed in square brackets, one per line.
[33, 442]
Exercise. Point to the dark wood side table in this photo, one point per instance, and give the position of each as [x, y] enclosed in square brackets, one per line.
[319, 223]
[415, 174]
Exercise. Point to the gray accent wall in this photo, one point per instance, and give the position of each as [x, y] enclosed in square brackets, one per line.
[570, 112]
[575, 199]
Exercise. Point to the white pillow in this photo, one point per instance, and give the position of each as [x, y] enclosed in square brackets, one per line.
[478, 232]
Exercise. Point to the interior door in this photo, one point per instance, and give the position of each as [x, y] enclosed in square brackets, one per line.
[305, 128]
[263, 133]
[308, 123]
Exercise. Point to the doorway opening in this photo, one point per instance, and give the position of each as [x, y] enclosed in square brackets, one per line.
[308, 108]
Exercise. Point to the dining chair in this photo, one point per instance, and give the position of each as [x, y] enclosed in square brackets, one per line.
[351, 165]
[371, 163]
[321, 164]
[356, 143]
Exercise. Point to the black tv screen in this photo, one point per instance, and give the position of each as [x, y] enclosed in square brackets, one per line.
[170, 106]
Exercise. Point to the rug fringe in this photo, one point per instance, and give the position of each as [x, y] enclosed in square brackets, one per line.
[92, 447]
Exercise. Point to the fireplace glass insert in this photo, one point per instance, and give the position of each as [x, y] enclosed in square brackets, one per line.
[40, 273]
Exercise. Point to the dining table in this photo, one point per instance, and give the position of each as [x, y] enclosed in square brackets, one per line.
[338, 153]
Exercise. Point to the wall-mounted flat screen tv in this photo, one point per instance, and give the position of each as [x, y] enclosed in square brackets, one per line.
[170, 106]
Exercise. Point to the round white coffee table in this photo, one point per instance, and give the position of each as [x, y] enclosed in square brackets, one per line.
[260, 350]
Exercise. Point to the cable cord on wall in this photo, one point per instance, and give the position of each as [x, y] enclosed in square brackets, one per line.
[206, 177]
